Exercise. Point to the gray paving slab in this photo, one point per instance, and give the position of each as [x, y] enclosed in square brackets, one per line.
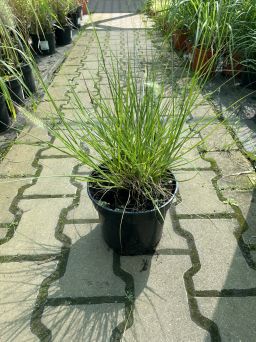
[83, 322]
[20, 284]
[222, 263]
[54, 178]
[198, 194]
[231, 317]
[89, 270]
[35, 233]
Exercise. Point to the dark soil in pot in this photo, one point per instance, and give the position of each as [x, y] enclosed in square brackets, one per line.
[44, 45]
[125, 230]
[63, 35]
[28, 79]
[16, 91]
[5, 119]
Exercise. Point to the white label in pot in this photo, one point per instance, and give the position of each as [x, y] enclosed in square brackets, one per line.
[44, 45]
[78, 21]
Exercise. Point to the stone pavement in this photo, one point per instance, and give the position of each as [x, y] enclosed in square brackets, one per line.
[60, 282]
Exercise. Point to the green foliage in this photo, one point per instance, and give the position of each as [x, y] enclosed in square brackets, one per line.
[137, 133]
[226, 26]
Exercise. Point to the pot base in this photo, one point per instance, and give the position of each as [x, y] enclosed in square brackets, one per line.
[5, 120]
[132, 233]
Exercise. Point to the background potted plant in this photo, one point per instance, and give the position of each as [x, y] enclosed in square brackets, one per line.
[42, 18]
[76, 13]
[84, 4]
[5, 118]
[9, 56]
[245, 42]
[180, 18]
[63, 31]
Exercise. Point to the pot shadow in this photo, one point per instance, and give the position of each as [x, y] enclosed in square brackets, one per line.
[94, 299]
[20, 283]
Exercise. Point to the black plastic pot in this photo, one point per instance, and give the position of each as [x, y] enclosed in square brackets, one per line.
[5, 119]
[248, 78]
[44, 45]
[28, 79]
[132, 233]
[16, 91]
[63, 35]
[75, 17]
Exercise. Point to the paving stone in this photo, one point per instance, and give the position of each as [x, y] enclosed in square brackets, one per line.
[54, 178]
[223, 265]
[83, 322]
[171, 241]
[9, 190]
[92, 66]
[89, 271]
[18, 161]
[217, 138]
[233, 166]
[58, 92]
[62, 79]
[253, 255]
[233, 316]
[71, 70]
[161, 313]
[192, 158]
[83, 99]
[70, 113]
[85, 208]
[75, 53]
[20, 283]
[82, 86]
[3, 232]
[33, 135]
[74, 61]
[203, 114]
[86, 40]
[35, 233]
[198, 194]
[46, 109]
[51, 151]
[246, 202]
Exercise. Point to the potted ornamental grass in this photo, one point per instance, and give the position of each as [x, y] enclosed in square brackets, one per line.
[42, 18]
[76, 13]
[9, 53]
[63, 31]
[14, 54]
[133, 140]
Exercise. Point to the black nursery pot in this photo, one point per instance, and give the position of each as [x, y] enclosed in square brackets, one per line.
[248, 78]
[44, 45]
[75, 17]
[5, 119]
[28, 79]
[132, 233]
[63, 35]
[16, 91]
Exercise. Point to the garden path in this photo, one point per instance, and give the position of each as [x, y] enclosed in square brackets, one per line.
[60, 282]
